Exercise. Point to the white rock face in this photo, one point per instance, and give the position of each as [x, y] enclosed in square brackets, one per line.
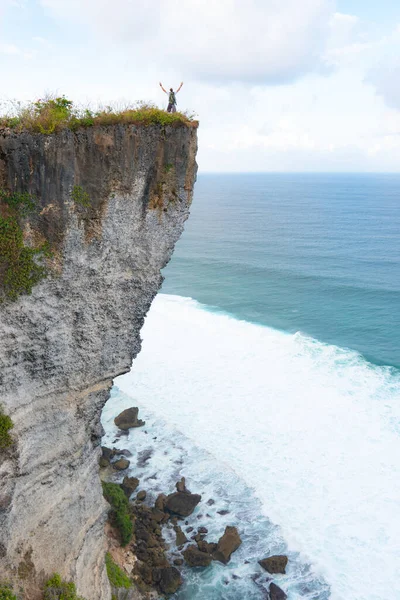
[62, 346]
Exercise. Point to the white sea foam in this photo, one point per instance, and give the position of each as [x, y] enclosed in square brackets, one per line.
[313, 428]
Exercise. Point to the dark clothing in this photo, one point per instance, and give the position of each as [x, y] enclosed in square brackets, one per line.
[171, 108]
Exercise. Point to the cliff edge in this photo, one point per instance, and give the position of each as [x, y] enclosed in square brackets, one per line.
[98, 212]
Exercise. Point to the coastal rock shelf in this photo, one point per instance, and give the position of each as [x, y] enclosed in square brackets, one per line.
[110, 204]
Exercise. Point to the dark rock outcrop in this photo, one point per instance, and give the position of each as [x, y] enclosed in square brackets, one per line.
[227, 544]
[180, 536]
[129, 485]
[167, 579]
[275, 593]
[274, 564]
[196, 558]
[182, 503]
[121, 464]
[128, 419]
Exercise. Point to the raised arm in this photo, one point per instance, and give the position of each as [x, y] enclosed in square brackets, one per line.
[179, 87]
[163, 88]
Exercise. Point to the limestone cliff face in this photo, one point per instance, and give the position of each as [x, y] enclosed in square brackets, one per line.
[62, 345]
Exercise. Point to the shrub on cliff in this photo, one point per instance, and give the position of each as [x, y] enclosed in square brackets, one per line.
[120, 510]
[6, 593]
[21, 266]
[57, 589]
[116, 575]
[53, 114]
[6, 425]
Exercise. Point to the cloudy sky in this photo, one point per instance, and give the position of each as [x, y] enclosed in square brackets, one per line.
[278, 85]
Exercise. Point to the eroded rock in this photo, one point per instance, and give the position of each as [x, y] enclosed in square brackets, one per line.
[182, 503]
[274, 564]
[128, 419]
[168, 579]
[227, 544]
[196, 558]
[129, 485]
[121, 464]
[275, 592]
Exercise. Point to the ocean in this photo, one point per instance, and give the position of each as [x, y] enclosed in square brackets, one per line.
[269, 377]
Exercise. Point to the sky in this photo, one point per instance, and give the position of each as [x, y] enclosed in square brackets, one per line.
[278, 85]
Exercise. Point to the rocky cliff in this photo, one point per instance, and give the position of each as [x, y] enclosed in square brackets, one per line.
[109, 205]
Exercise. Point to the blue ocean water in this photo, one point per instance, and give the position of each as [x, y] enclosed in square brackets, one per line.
[269, 378]
[313, 253]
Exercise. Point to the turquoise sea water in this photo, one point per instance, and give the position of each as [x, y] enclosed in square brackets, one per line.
[269, 377]
[318, 254]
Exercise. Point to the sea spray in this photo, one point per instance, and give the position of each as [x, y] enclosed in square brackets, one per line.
[312, 428]
[159, 456]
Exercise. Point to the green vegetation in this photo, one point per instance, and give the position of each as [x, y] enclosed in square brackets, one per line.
[120, 514]
[57, 589]
[56, 113]
[6, 425]
[20, 269]
[19, 201]
[79, 196]
[6, 593]
[116, 575]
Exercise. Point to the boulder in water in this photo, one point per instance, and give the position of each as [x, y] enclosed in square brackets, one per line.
[128, 418]
[160, 502]
[196, 558]
[227, 544]
[121, 464]
[181, 486]
[274, 564]
[275, 592]
[168, 579]
[182, 503]
[180, 536]
[129, 485]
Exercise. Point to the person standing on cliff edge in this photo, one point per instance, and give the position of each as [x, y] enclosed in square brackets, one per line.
[171, 97]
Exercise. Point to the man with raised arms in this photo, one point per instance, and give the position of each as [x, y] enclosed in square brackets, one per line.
[171, 97]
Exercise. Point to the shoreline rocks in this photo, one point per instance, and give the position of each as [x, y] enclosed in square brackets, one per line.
[275, 592]
[227, 544]
[157, 571]
[182, 504]
[128, 419]
[274, 564]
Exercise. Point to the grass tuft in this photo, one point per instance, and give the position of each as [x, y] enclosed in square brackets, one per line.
[6, 425]
[116, 575]
[120, 517]
[57, 589]
[6, 592]
[54, 114]
[79, 196]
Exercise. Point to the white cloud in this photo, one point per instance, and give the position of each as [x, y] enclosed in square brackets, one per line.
[264, 41]
[385, 78]
[13, 50]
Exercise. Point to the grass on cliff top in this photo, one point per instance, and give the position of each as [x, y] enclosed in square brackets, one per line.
[53, 114]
